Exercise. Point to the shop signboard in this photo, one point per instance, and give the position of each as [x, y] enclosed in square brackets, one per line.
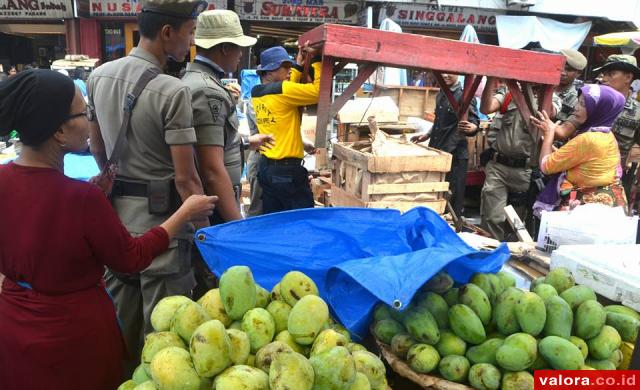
[35, 9]
[440, 17]
[300, 11]
[115, 8]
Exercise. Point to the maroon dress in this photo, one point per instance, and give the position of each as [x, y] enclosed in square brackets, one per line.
[56, 236]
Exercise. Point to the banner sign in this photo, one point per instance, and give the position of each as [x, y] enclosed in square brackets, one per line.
[132, 7]
[35, 9]
[303, 11]
[440, 17]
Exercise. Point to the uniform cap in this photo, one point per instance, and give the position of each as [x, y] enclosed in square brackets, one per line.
[188, 9]
[575, 59]
[622, 62]
[220, 26]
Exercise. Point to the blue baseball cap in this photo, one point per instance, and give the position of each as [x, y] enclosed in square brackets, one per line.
[273, 58]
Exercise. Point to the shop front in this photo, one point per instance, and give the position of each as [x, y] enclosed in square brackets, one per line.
[32, 32]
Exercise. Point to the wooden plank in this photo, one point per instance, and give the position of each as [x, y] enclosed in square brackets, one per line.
[468, 96]
[324, 101]
[360, 44]
[407, 188]
[439, 163]
[346, 154]
[447, 91]
[339, 66]
[522, 267]
[517, 224]
[518, 97]
[342, 198]
[363, 75]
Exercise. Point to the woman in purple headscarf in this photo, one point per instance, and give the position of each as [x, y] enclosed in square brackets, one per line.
[588, 166]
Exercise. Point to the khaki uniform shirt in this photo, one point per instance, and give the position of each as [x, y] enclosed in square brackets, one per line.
[569, 98]
[627, 128]
[162, 117]
[214, 114]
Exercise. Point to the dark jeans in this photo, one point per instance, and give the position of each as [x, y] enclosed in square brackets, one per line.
[284, 187]
[457, 180]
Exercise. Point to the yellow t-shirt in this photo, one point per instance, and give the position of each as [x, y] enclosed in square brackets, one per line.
[277, 111]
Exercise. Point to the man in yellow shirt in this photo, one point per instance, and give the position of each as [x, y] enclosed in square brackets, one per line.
[277, 103]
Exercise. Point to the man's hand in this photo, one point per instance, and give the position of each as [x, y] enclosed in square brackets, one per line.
[309, 148]
[104, 180]
[468, 128]
[304, 51]
[416, 139]
[261, 142]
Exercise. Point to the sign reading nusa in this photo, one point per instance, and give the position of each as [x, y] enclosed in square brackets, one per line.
[35, 9]
[443, 17]
[132, 7]
[305, 11]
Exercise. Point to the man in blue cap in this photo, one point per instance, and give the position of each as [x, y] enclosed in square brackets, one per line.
[276, 102]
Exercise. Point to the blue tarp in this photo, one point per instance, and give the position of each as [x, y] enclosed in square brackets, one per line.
[357, 257]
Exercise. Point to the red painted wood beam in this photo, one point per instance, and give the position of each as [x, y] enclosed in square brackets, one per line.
[518, 97]
[363, 74]
[447, 92]
[324, 101]
[359, 44]
[469, 91]
[339, 66]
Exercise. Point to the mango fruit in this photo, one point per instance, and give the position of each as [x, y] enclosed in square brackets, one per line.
[437, 306]
[605, 343]
[242, 377]
[559, 318]
[540, 363]
[466, 324]
[211, 302]
[545, 291]
[450, 344]
[295, 285]
[307, 318]
[342, 330]
[187, 318]
[600, 364]
[352, 347]
[263, 297]
[259, 326]
[381, 312]
[326, 340]
[452, 296]
[401, 343]
[372, 367]
[504, 311]
[423, 358]
[439, 283]
[589, 319]
[240, 346]
[157, 341]
[581, 344]
[128, 385]
[483, 376]
[286, 338]
[521, 380]
[280, 312]
[164, 311]
[561, 353]
[536, 282]
[360, 383]
[622, 310]
[334, 369]
[485, 352]
[266, 354]
[506, 279]
[172, 369]
[148, 385]
[474, 297]
[488, 284]
[518, 352]
[578, 294]
[626, 325]
[238, 291]
[235, 325]
[421, 325]
[275, 293]
[140, 375]
[210, 349]
[560, 278]
[616, 358]
[290, 371]
[531, 313]
[251, 361]
[384, 330]
[454, 368]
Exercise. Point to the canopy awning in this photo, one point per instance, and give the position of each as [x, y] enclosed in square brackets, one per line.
[628, 41]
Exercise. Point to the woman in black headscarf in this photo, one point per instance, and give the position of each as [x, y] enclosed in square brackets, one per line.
[58, 327]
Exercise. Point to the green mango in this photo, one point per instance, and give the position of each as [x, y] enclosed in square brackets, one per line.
[280, 312]
[581, 344]
[290, 371]
[187, 318]
[484, 376]
[342, 330]
[622, 310]
[578, 294]
[616, 358]
[361, 382]
[439, 283]
[307, 319]
[422, 326]
[263, 297]
[382, 312]
[242, 377]
[485, 352]
[259, 326]
[240, 346]
[238, 291]
[600, 364]
[521, 380]
[506, 279]
[454, 368]
[164, 311]
[275, 293]
[295, 285]
[487, 284]
[334, 369]
[545, 291]
[140, 375]
[352, 347]
[384, 330]
[536, 282]
[266, 354]
[210, 349]
[128, 385]
[626, 325]
[451, 296]
[518, 352]
[154, 343]
[589, 319]
[286, 338]
[211, 302]
[437, 306]
[561, 353]
[540, 363]
[171, 368]
[497, 287]
[504, 311]
[423, 358]
[560, 278]
[466, 324]
[450, 344]
[326, 340]
[372, 367]
[148, 385]
[474, 297]
[401, 343]
[559, 318]
[531, 313]
[603, 345]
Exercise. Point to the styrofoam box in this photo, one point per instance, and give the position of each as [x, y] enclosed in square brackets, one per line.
[612, 271]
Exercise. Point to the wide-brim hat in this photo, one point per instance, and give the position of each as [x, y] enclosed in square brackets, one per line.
[220, 26]
[273, 58]
[622, 62]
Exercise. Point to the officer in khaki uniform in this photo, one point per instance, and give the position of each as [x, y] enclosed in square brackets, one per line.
[566, 90]
[508, 173]
[157, 159]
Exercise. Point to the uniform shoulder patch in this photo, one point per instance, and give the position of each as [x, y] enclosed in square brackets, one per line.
[215, 104]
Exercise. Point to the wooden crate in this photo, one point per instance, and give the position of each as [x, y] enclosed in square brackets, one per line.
[354, 132]
[360, 179]
[412, 101]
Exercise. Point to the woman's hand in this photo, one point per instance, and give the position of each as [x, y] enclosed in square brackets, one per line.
[544, 124]
[199, 206]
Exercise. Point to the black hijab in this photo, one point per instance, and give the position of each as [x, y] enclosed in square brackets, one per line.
[35, 103]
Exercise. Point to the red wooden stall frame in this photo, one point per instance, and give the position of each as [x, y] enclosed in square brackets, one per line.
[522, 70]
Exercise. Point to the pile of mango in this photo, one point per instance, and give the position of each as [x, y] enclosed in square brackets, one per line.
[492, 335]
[241, 336]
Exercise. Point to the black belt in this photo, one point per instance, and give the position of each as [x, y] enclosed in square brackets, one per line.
[521, 162]
[282, 162]
[127, 188]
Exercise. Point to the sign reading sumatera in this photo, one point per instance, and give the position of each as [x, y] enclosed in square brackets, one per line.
[444, 17]
[35, 9]
[132, 7]
[305, 11]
